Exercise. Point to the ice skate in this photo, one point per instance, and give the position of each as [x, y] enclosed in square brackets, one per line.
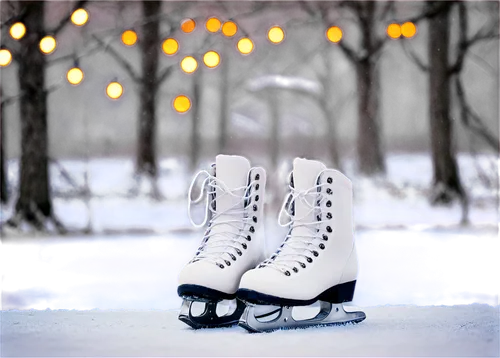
[233, 242]
[315, 263]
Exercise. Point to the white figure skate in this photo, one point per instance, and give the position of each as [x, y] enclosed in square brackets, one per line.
[317, 260]
[233, 242]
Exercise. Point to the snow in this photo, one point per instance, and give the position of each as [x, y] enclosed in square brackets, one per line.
[399, 200]
[388, 331]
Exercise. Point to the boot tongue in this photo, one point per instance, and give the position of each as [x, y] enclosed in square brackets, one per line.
[233, 171]
[305, 174]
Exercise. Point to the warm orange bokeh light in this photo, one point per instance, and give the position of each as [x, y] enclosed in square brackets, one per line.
[229, 28]
[394, 31]
[48, 44]
[189, 64]
[408, 29]
[79, 17]
[245, 46]
[211, 59]
[334, 34]
[114, 90]
[129, 37]
[213, 24]
[188, 25]
[276, 34]
[170, 46]
[17, 31]
[75, 76]
[5, 57]
[182, 104]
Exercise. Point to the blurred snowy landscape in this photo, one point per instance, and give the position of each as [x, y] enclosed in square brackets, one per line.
[121, 200]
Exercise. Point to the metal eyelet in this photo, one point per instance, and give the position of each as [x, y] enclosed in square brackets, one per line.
[256, 198]
[295, 269]
[329, 191]
[322, 246]
[329, 229]
[318, 217]
[244, 246]
[252, 229]
[233, 257]
[239, 252]
[228, 263]
[254, 207]
[328, 203]
[325, 237]
[221, 266]
[254, 219]
[249, 238]
[257, 177]
[303, 265]
[287, 273]
[309, 260]
[329, 180]
[257, 186]
[329, 215]
[315, 253]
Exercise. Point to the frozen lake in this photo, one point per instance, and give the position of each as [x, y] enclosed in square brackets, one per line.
[397, 267]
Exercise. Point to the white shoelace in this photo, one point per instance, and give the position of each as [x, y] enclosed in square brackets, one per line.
[221, 244]
[297, 249]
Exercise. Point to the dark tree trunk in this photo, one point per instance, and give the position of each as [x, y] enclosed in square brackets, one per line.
[4, 190]
[34, 214]
[369, 143]
[274, 122]
[146, 161]
[224, 104]
[195, 139]
[446, 185]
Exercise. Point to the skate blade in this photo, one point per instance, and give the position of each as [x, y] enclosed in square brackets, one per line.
[209, 318]
[329, 315]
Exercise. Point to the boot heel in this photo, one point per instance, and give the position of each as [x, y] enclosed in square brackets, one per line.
[339, 293]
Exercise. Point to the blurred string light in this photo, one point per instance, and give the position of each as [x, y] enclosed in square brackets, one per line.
[334, 34]
[245, 46]
[211, 59]
[213, 24]
[5, 57]
[114, 90]
[188, 25]
[189, 64]
[75, 76]
[408, 29]
[394, 31]
[48, 44]
[276, 34]
[17, 31]
[170, 46]
[79, 17]
[182, 104]
[129, 37]
[229, 28]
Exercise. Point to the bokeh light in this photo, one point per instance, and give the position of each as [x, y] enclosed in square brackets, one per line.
[189, 64]
[114, 90]
[79, 17]
[229, 28]
[17, 31]
[188, 25]
[213, 24]
[211, 59]
[170, 46]
[245, 45]
[75, 76]
[408, 29]
[276, 34]
[48, 44]
[5, 57]
[394, 31]
[182, 103]
[334, 34]
[129, 37]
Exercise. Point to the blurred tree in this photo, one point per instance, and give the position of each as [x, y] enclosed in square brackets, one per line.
[369, 143]
[4, 190]
[446, 185]
[148, 121]
[34, 214]
[195, 138]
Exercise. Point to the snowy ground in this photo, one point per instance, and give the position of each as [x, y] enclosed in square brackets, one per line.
[396, 201]
[470, 331]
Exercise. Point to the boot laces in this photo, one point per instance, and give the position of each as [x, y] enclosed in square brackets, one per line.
[227, 231]
[299, 245]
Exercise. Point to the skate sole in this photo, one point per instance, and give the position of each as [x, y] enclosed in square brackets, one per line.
[202, 293]
[336, 294]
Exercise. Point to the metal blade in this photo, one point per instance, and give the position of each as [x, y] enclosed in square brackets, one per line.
[209, 317]
[329, 314]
